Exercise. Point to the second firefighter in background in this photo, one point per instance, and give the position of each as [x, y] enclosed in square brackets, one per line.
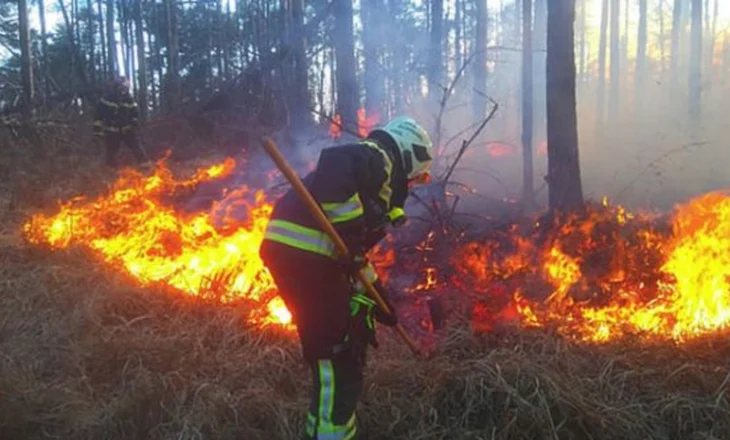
[117, 121]
[362, 188]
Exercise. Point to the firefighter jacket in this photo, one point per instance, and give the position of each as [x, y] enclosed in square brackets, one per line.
[360, 191]
[116, 113]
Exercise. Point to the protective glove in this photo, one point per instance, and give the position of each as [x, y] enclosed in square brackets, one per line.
[361, 331]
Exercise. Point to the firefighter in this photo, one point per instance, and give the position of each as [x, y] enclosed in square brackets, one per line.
[362, 188]
[117, 121]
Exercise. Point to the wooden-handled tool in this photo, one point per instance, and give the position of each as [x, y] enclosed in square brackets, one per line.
[324, 223]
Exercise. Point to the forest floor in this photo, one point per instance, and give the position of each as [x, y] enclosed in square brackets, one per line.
[86, 354]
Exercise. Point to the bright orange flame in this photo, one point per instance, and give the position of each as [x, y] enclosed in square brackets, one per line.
[137, 229]
[365, 124]
[608, 273]
[336, 127]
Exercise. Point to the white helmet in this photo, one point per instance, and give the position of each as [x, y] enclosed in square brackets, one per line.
[414, 145]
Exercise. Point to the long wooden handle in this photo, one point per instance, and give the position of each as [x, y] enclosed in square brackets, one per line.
[325, 224]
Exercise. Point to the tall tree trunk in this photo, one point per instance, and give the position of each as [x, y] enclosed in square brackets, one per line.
[480, 60]
[131, 59]
[695, 63]
[582, 51]
[641, 50]
[228, 55]
[141, 61]
[615, 58]
[625, 43]
[26, 65]
[77, 60]
[458, 33]
[103, 45]
[372, 16]
[539, 44]
[662, 39]
[564, 180]
[347, 88]
[302, 116]
[435, 59]
[711, 41]
[172, 85]
[44, 50]
[76, 22]
[601, 101]
[528, 197]
[676, 34]
[398, 58]
[111, 40]
[124, 41]
[90, 41]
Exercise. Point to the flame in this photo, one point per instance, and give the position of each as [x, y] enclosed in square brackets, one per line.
[137, 229]
[336, 127]
[595, 275]
[606, 273]
[365, 124]
[500, 150]
[430, 282]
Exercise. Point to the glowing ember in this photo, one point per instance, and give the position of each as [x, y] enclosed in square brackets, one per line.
[606, 274]
[137, 228]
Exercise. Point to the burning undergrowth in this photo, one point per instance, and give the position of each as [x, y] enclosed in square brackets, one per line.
[604, 274]
[596, 275]
[198, 235]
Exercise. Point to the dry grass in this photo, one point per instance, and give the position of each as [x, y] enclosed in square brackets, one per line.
[84, 354]
[87, 355]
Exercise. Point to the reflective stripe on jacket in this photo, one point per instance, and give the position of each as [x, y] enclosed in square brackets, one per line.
[355, 186]
[116, 113]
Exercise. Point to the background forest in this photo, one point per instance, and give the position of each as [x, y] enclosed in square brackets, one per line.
[652, 77]
[134, 304]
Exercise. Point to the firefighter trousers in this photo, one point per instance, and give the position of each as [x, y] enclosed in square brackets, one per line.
[114, 141]
[317, 293]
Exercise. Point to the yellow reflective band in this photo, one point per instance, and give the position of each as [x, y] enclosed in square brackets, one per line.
[108, 103]
[300, 237]
[385, 191]
[326, 395]
[346, 211]
[339, 432]
[131, 104]
[396, 214]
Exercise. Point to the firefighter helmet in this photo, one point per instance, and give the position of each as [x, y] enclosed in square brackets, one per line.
[414, 145]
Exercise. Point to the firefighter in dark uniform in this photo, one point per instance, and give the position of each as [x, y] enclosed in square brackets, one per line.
[117, 120]
[362, 188]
